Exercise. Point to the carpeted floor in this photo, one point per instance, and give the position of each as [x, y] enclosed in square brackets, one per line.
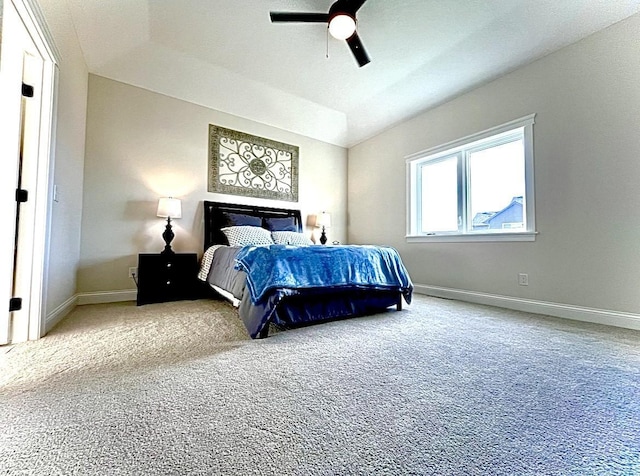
[442, 387]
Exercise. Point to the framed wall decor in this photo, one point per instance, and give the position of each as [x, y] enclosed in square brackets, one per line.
[242, 164]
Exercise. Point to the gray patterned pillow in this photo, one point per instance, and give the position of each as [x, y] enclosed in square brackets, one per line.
[290, 238]
[247, 235]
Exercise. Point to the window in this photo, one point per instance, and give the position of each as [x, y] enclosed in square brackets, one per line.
[479, 188]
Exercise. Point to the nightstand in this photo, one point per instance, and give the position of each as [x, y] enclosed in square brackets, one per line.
[167, 277]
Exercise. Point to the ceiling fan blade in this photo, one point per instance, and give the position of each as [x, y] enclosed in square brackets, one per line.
[358, 49]
[299, 17]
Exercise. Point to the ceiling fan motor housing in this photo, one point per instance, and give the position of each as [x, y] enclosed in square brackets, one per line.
[341, 8]
[342, 20]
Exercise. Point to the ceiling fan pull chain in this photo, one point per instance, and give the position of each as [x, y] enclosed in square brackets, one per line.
[327, 41]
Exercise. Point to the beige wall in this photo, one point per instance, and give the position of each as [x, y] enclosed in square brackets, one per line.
[587, 171]
[143, 145]
[64, 241]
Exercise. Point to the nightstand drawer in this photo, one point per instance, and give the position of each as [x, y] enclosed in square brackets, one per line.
[164, 278]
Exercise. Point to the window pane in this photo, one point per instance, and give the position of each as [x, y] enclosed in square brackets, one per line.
[497, 187]
[440, 196]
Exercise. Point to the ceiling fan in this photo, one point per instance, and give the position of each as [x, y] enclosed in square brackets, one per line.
[341, 20]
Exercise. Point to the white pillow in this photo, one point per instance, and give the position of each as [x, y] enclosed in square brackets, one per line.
[290, 238]
[247, 235]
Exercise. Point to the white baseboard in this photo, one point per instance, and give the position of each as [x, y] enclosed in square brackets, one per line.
[598, 316]
[103, 297]
[627, 320]
[59, 312]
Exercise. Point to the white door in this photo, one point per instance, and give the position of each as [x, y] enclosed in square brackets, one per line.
[21, 155]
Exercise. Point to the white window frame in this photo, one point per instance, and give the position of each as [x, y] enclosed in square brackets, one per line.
[464, 145]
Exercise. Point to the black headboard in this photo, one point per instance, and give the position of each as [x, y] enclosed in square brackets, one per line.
[214, 218]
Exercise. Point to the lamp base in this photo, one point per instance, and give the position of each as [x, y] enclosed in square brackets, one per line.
[323, 237]
[168, 236]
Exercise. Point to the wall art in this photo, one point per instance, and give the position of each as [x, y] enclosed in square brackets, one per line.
[243, 164]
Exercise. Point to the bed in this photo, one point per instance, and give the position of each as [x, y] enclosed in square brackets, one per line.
[292, 282]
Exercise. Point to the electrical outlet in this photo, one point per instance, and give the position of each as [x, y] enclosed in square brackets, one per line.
[133, 271]
[523, 279]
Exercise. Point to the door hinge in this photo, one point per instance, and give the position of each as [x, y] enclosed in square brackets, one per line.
[27, 91]
[22, 195]
[15, 304]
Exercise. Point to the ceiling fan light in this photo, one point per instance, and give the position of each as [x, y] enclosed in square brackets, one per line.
[342, 26]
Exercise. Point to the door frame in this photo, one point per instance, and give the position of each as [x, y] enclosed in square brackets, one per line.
[32, 324]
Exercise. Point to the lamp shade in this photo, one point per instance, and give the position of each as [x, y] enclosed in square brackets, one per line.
[169, 207]
[323, 220]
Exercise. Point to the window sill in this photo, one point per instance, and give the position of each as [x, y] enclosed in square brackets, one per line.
[476, 237]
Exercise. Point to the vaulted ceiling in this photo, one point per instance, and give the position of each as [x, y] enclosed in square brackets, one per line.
[227, 55]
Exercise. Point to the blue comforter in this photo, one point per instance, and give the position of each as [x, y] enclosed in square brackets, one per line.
[307, 267]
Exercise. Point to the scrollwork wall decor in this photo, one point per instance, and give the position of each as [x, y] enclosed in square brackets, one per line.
[242, 164]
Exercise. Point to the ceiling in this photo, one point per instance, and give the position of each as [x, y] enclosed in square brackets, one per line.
[227, 55]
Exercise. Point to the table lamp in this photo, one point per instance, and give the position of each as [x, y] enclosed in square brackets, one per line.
[169, 207]
[323, 221]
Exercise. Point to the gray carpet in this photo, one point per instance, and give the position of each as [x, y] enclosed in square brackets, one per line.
[442, 387]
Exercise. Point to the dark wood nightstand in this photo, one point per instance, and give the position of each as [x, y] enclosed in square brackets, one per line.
[167, 277]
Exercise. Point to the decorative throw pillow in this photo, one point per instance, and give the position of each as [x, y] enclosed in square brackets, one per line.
[247, 235]
[240, 219]
[281, 224]
[290, 238]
